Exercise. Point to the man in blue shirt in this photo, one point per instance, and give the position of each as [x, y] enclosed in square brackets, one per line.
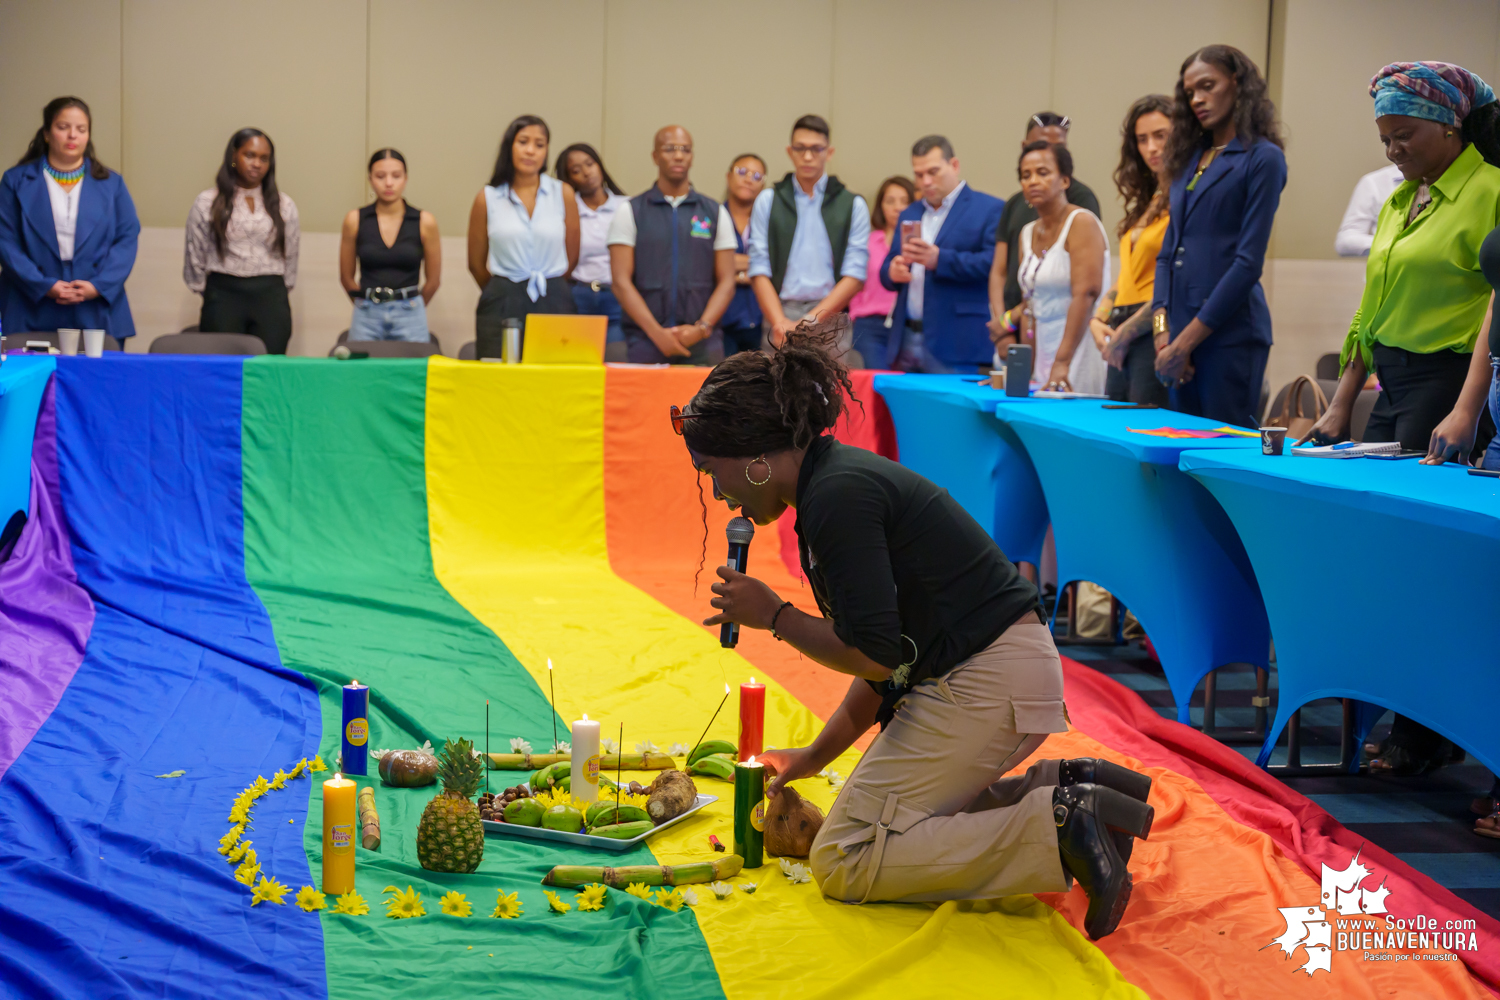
[809, 237]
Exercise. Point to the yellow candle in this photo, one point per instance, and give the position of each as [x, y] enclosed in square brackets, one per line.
[339, 825]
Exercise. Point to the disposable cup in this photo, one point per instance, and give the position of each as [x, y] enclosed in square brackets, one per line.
[93, 343]
[69, 340]
[1272, 440]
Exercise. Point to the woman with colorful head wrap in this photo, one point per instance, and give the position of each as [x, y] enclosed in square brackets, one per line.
[1425, 295]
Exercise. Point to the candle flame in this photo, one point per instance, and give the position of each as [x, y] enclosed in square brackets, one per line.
[726, 687]
[752, 680]
[338, 776]
[549, 663]
[585, 716]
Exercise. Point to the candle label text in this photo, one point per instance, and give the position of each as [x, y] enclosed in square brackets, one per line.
[758, 816]
[341, 838]
[357, 731]
[591, 770]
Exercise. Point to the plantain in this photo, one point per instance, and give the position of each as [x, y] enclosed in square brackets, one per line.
[712, 746]
[547, 777]
[607, 813]
[622, 831]
[712, 766]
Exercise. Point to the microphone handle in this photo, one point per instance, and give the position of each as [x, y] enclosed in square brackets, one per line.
[739, 558]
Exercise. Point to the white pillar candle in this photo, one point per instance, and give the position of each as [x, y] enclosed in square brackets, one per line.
[585, 770]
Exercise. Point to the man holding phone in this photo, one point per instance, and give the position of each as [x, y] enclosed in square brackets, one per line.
[809, 237]
[939, 264]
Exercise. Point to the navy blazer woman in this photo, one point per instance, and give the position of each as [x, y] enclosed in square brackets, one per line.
[1210, 265]
[955, 294]
[103, 253]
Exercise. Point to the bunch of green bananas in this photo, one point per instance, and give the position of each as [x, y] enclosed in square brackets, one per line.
[713, 759]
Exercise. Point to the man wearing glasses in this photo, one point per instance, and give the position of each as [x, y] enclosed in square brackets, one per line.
[672, 261]
[809, 237]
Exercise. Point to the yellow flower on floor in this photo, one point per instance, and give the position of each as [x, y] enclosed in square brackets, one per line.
[455, 905]
[351, 903]
[269, 890]
[227, 842]
[404, 905]
[259, 787]
[311, 899]
[240, 812]
[297, 768]
[555, 902]
[278, 782]
[238, 851]
[317, 765]
[591, 898]
[639, 890]
[507, 905]
[247, 872]
[670, 898]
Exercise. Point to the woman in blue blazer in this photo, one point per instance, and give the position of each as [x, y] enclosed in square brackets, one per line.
[1210, 319]
[68, 232]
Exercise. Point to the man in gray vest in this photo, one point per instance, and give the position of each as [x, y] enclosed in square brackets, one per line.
[672, 261]
[809, 237]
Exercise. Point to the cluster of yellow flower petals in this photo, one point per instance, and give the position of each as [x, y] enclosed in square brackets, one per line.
[507, 905]
[404, 905]
[238, 852]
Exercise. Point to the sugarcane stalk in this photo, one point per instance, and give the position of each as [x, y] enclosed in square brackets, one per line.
[369, 819]
[573, 876]
[537, 761]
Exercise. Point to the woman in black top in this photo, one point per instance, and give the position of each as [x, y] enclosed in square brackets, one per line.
[391, 241]
[946, 646]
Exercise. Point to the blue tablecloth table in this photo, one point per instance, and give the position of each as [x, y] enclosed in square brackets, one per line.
[1124, 517]
[23, 378]
[1381, 580]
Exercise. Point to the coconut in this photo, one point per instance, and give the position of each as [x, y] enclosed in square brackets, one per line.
[792, 823]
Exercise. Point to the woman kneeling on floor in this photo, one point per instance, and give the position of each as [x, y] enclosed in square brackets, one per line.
[946, 645]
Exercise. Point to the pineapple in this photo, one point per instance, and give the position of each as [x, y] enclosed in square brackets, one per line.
[450, 837]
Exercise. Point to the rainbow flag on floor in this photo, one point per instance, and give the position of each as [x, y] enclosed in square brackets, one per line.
[224, 543]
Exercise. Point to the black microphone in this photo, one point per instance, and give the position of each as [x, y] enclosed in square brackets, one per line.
[740, 530]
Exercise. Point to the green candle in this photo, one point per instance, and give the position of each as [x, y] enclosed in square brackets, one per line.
[750, 812]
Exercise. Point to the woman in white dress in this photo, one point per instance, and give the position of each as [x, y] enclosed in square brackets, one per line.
[1063, 270]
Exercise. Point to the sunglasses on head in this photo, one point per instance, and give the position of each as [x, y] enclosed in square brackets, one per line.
[678, 417]
[754, 175]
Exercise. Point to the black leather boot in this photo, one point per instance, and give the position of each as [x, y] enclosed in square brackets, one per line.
[1083, 814]
[1095, 770]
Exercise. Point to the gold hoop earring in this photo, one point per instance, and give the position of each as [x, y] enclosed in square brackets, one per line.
[762, 460]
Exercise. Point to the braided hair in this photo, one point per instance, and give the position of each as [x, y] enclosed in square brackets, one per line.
[753, 403]
[1482, 128]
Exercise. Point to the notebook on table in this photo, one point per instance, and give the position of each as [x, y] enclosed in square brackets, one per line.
[564, 340]
[1350, 449]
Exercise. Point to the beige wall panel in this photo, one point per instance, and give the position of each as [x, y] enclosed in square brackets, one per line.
[53, 49]
[984, 80]
[1332, 50]
[1311, 302]
[194, 73]
[1104, 58]
[447, 76]
[736, 77]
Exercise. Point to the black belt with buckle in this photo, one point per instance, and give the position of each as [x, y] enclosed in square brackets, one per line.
[598, 286]
[378, 295]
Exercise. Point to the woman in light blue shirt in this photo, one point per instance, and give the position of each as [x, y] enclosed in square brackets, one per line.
[523, 236]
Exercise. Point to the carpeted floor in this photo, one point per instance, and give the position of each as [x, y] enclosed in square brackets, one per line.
[1425, 821]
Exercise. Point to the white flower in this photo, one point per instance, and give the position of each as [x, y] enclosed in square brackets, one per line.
[799, 873]
[609, 746]
[723, 890]
[834, 778]
[786, 867]
[678, 750]
[562, 746]
[378, 754]
[689, 897]
[518, 745]
[646, 746]
[748, 888]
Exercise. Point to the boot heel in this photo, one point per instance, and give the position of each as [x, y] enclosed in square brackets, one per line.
[1122, 779]
[1121, 812]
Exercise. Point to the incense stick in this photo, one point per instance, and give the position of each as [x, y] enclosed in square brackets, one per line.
[619, 761]
[488, 760]
[552, 687]
[711, 720]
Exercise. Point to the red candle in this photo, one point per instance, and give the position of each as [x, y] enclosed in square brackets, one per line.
[752, 719]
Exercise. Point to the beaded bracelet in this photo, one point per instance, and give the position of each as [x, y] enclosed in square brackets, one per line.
[784, 606]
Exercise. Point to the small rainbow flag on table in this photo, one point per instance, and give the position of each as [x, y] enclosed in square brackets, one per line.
[1192, 432]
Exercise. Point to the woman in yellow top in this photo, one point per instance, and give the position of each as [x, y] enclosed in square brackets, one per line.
[1425, 295]
[1122, 325]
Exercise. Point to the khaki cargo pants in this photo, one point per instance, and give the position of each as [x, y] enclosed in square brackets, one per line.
[925, 816]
